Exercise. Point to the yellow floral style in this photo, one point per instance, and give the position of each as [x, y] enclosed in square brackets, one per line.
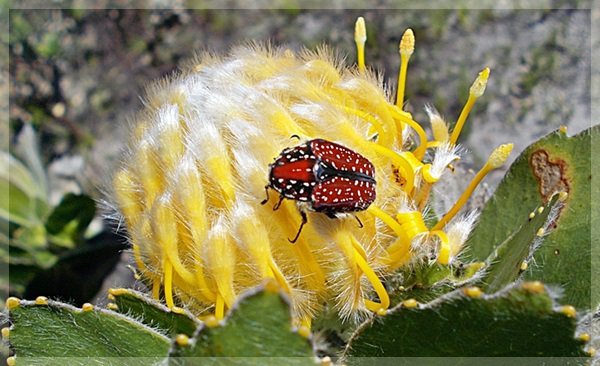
[193, 178]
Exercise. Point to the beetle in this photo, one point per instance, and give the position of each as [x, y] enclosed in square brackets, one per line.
[328, 177]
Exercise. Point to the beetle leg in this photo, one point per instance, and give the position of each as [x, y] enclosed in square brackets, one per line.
[304, 221]
[360, 224]
[331, 215]
[267, 193]
[276, 207]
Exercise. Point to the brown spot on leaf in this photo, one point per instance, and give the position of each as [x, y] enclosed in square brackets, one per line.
[551, 174]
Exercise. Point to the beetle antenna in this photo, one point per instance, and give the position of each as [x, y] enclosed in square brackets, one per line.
[360, 224]
[276, 207]
[267, 193]
[295, 136]
[304, 221]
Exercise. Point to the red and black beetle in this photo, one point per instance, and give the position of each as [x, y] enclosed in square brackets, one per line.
[329, 177]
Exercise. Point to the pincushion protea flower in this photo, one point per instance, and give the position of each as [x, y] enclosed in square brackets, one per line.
[191, 184]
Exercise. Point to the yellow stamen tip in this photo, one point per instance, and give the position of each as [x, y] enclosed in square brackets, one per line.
[360, 31]
[524, 266]
[11, 361]
[499, 156]
[112, 306]
[563, 130]
[211, 321]
[41, 300]
[6, 332]
[87, 307]
[531, 215]
[182, 340]
[568, 310]
[12, 302]
[478, 87]
[407, 44]
[540, 209]
[304, 331]
[562, 196]
[584, 337]
[410, 303]
[177, 310]
[540, 232]
[473, 292]
[591, 351]
[534, 287]
[111, 297]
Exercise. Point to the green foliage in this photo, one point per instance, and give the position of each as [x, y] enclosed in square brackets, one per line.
[515, 322]
[57, 329]
[504, 265]
[44, 247]
[153, 313]
[554, 163]
[259, 326]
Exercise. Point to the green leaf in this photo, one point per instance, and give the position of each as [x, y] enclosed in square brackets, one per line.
[258, 327]
[517, 322]
[28, 150]
[14, 171]
[503, 266]
[71, 217]
[58, 329]
[554, 163]
[153, 313]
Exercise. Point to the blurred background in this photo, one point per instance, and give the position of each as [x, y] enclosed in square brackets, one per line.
[76, 76]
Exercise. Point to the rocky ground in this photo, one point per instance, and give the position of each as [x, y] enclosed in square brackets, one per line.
[77, 74]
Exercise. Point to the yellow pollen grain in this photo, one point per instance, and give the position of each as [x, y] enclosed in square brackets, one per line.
[12, 302]
[473, 292]
[410, 303]
[563, 130]
[211, 321]
[584, 337]
[41, 300]
[304, 331]
[531, 215]
[5, 332]
[87, 307]
[524, 266]
[540, 209]
[568, 310]
[591, 351]
[534, 287]
[112, 306]
[111, 297]
[540, 232]
[182, 340]
[11, 361]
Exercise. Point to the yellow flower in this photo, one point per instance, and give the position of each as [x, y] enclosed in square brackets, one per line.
[191, 184]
